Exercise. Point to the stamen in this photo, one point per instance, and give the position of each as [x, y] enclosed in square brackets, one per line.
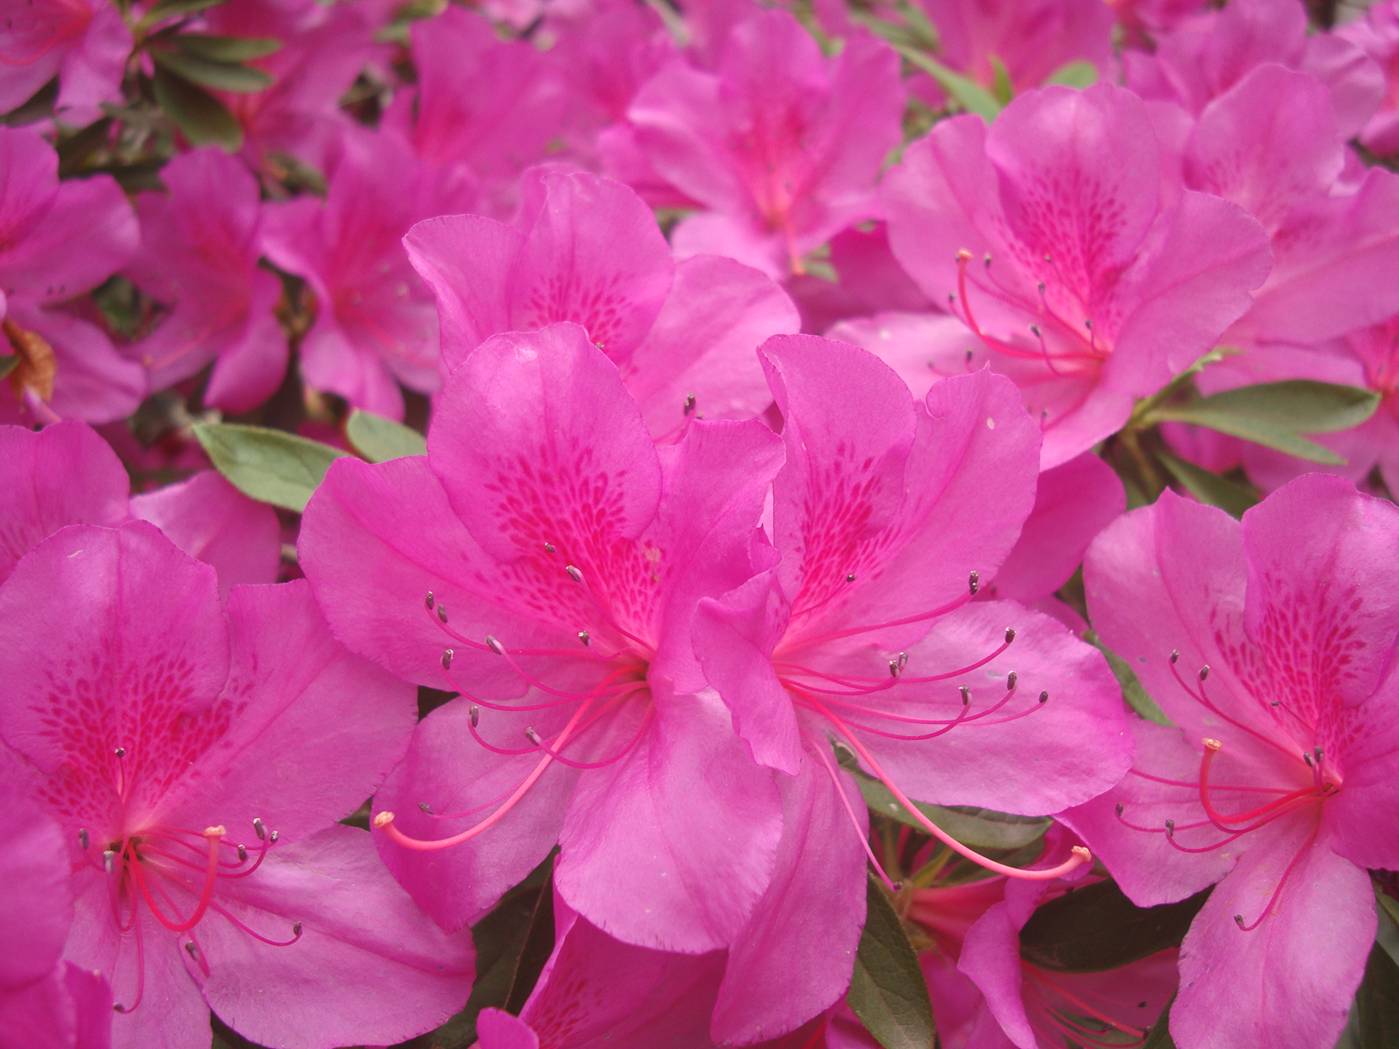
[83, 838]
[1272, 903]
[428, 601]
[860, 832]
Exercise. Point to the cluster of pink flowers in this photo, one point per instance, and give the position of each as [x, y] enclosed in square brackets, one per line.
[858, 486]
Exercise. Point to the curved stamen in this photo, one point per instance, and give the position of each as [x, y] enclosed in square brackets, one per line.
[603, 763]
[1079, 854]
[385, 820]
[895, 678]
[860, 832]
[206, 894]
[1272, 903]
[1202, 697]
[974, 584]
[130, 1007]
[243, 927]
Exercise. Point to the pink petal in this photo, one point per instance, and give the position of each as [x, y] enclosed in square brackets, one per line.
[299, 693]
[212, 521]
[1309, 953]
[921, 347]
[463, 784]
[796, 955]
[705, 344]
[684, 811]
[35, 868]
[497, 1029]
[393, 974]
[93, 382]
[64, 474]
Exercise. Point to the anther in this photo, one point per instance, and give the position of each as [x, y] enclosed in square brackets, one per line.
[1119, 808]
[494, 645]
[83, 838]
[903, 660]
[1316, 753]
[1239, 920]
[1204, 672]
[689, 403]
[272, 837]
[296, 928]
[259, 829]
[533, 737]
[442, 613]
[1308, 759]
[966, 695]
[1044, 697]
[109, 860]
[1012, 679]
[425, 807]
[574, 573]
[585, 637]
[383, 819]
[474, 713]
[242, 853]
[447, 654]
[963, 255]
[1010, 634]
[1170, 828]
[1211, 743]
[191, 949]
[429, 601]
[894, 668]
[120, 752]
[549, 548]
[850, 577]
[1035, 330]
[974, 582]
[1175, 656]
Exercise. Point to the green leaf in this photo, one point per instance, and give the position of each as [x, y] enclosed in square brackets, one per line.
[379, 439]
[887, 991]
[267, 465]
[1097, 928]
[967, 93]
[1003, 89]
[1388, 936]
[204, 120]
[981, 829]
[227, 48]
[8, 364]
[173, 9]
[1074, 74]
[1132, 690]
[1375, 1017]
[1208, 487]
[222, 76]
[1277, 414]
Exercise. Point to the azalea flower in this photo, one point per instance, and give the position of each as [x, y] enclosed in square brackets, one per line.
[84, 42]
[207, 870]
[67, 366]
[45, 1003]
[1089, 284]
[1269, 644]
[586, 249]
[543, 561]
[1205, 55]
[780, 147]
[375, 325]
[887, 516]
[200, 245]
[1376, 33]
[66, 474]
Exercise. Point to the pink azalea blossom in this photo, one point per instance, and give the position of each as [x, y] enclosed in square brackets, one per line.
[84, 43]
[586, 249]
[888, 514]
[375, 324]
[1030, 39]
[199, 257]
[544, 561]
[780, 147]
[1377, 34]
[867, 280]
[68, 366]
[45, 1003]
[1270, 645]
[1088, 283]
[66, 474]
[207, 869]
[1206, 55]
[324, 47]
[484, 108]
[1271, 145]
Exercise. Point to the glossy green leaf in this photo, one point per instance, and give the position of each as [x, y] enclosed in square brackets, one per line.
[267, 465]
[221, 76]
[203, 119]
[1096, 928]
[1277, 414]
[967, 93]
[1374, 1020]
[1207, 487]
[379, 439]
[979, 828]
[1132, 690]
[227, 48]
[1388, 935]
[1074, 74]
[887, 991]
